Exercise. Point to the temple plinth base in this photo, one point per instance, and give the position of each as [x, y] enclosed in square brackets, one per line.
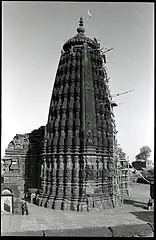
[84, 207]
[74, 205]
[37, 200]
[92, 203]
[57, 205]
[119, 201]
[66, 205]
[50, 203]
[40, 200]
[44, 202]
[97, 204]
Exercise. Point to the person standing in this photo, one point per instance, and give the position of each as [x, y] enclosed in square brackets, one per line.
[23, 208]
[26, 208]
[88, 202]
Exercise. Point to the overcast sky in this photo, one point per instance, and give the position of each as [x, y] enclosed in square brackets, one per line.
[33, 34]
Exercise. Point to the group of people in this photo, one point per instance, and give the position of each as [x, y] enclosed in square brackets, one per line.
[24, 209]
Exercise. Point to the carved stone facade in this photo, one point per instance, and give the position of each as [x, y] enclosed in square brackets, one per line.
[21, 169]
[79, 143]
[72, 160]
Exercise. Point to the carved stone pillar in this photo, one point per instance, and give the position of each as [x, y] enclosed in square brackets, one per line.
[75, 183]
[60, 183]
[67, 183]
[62, 127]
[82, 185]
[49, 176]
[45, 175]
[53, 180]
[100, 167]
[77, 120]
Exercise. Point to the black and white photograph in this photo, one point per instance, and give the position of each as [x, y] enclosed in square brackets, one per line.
[77, 133]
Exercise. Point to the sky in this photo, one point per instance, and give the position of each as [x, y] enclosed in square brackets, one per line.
[33, 34]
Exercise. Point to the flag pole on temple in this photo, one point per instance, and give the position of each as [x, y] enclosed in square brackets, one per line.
[89, 16]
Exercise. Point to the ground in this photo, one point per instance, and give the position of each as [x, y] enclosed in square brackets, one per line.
[140, 191]
[42, 218]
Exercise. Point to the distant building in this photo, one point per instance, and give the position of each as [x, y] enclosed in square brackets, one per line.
[139, 165]
[142, 164]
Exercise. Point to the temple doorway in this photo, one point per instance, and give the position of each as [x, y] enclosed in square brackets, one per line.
[6, 201]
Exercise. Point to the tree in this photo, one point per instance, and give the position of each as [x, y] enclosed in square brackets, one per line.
[144, 154]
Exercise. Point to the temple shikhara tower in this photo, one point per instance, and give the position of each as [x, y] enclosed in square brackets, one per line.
[79, 166]
[72, 163]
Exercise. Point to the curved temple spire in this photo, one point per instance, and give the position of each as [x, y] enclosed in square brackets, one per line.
[78, 159]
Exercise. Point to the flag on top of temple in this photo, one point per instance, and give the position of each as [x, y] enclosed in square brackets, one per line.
[89, 14]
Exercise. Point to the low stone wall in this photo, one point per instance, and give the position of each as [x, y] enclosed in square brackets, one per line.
[138, 230]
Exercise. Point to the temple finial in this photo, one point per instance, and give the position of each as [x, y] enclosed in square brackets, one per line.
[81, 22]
[80, 29]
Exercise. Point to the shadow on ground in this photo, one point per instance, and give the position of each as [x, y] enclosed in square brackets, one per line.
[135, 203]
[145, 216]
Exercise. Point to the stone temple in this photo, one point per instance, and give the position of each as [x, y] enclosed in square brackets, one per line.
[78, 159]
[73, 161]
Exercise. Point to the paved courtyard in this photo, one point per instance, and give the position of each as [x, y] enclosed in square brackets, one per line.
[40, 218]
[140, 192]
